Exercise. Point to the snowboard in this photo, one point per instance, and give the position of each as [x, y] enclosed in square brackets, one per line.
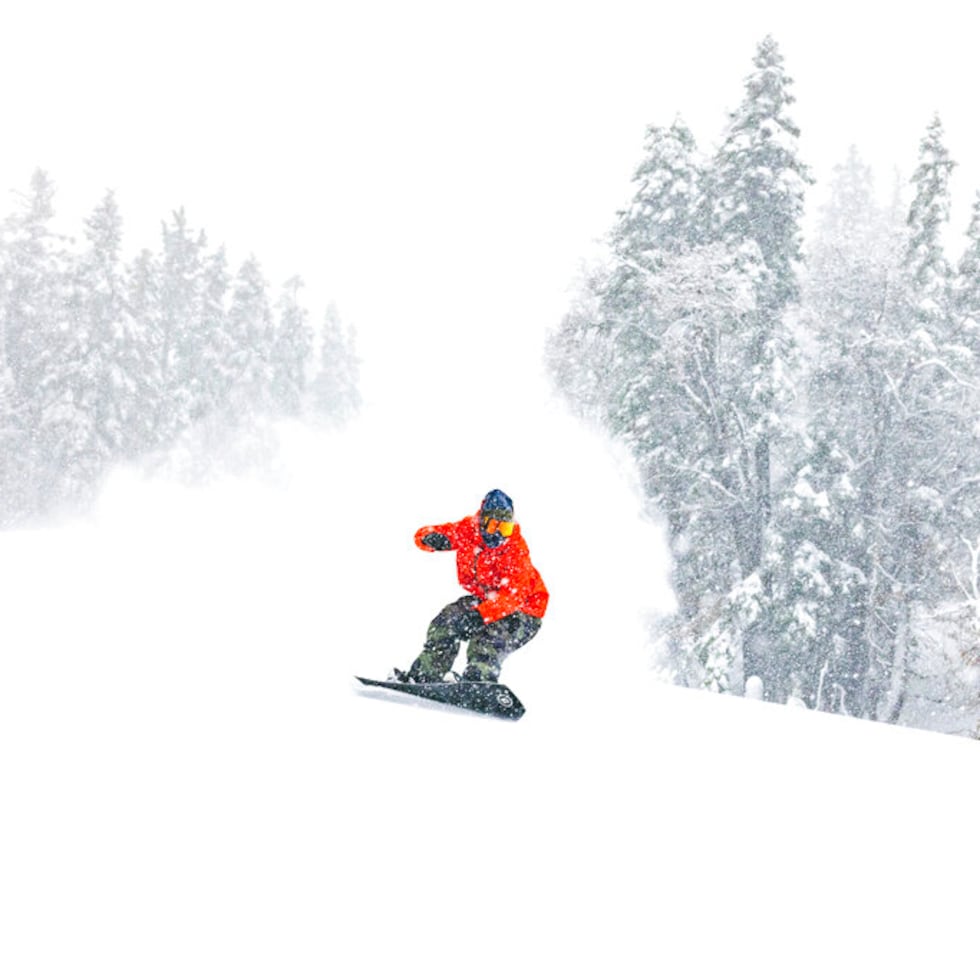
[482, 697]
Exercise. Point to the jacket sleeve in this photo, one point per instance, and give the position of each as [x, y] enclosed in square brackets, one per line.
[448, 530]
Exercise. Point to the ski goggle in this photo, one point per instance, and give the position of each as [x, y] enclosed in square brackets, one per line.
[493, 525]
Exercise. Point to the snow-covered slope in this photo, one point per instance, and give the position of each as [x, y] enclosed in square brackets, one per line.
[192, 787]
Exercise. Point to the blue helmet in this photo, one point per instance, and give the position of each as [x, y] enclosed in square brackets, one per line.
[497, 500]
[496, 518]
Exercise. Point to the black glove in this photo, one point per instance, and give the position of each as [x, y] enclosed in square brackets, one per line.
[436, 541]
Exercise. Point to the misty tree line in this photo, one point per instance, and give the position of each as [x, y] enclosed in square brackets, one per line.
[104, 361]
[805, 422]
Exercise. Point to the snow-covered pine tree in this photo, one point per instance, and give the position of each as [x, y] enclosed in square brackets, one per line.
[586, 355]
[825, 528]
[33, 309]
[213, 345]
[966, 285]
[925, 260]
[936, 449]
[333, 394]
[756, 192]
[173, 335]
[666, 212]
[855, 236]
[140, 331]
[662, 222]
[13, 441]
[291, 350]
[34, 273]
[966, 314]
[251, 327]
[98, 382]
[943, 371]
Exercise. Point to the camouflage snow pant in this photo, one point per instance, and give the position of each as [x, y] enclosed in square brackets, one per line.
[487, 648]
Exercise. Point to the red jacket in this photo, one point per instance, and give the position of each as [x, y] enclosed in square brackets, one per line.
[502, 578]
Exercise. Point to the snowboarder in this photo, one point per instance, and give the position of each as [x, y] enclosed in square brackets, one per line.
[506, 597]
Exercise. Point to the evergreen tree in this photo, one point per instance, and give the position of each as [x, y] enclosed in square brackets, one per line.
[665, 213]
[139, 357]
[662, 219]
[251, 328]
[936, 383]
[174, 336]
[756, 193]
[856, 249]
[201, 343]
[34, 276]
[334, 391]
[966, 285]
[925, 260]
[851, 291]
[291, 351]
[34, 311]
[13, 448]
[213, 345]
[98, 386]
[758, 182]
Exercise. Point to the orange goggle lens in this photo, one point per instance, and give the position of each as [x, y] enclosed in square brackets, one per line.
[506, 528]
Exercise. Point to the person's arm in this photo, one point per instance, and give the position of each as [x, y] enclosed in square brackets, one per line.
[437, 537]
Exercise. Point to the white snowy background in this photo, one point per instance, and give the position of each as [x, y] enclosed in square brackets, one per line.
[190, 785]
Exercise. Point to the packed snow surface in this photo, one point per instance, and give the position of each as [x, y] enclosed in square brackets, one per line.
[193, 786]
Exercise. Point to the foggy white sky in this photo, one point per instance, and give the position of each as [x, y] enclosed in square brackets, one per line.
[439, 168]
